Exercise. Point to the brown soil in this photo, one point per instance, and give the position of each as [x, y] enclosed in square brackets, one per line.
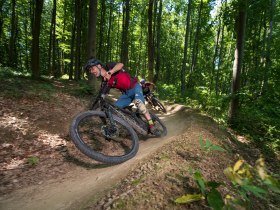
[40, 168]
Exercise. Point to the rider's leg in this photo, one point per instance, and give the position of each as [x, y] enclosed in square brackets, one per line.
[140, 104]
[123, 101]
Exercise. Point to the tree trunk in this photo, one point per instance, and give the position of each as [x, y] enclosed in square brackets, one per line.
[56, 70]
[12, 45]
[195, 45]
[92, 20]
[72, 49]
[268, 45]
[125, 43]
[100, 54]
[150, 42]
[158, 41]
[35, 57]
[214, 61]
[78, 41]
[1, 20]
[140, 70]
[50, 72]
[239, 51]
[108, 51]
[91, 47]
[183, 73]
[220, 60]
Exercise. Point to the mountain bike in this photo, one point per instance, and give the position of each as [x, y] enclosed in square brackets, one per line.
[107, 133]
[154, 102]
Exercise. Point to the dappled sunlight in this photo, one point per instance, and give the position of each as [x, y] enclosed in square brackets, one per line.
[175, 108]
[52, 140]
[14, 164]
[242, 139]
[15, 123]
[21, 140]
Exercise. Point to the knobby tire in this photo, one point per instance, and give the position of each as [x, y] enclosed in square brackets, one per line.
[86, 133]
[159, 125]
[157, 103]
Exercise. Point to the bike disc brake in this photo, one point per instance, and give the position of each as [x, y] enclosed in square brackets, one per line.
[110, 131]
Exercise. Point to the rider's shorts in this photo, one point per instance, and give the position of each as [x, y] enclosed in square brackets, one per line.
[126, 98]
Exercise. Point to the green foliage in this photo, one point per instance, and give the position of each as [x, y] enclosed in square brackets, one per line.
[208, 146]
[248, 182]
[188, 198]
[168, 92]
[252, 181]
[19, 84]
[33, 161]
[259, 119]
[208, 190]
[84, 89]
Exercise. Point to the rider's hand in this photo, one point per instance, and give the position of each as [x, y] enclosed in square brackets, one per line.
[107, 76]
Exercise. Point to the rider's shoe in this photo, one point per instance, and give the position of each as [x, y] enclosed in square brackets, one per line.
[154, 131]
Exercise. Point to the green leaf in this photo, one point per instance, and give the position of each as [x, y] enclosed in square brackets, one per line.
[200, 181]
[208, 143]
[217, 148]
[215, 199]
[214, 184]
[189, 198]
[257, 191]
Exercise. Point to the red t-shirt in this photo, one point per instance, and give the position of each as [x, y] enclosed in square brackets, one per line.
[121, 79]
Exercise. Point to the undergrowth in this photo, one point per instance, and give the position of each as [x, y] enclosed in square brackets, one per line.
[258, 118]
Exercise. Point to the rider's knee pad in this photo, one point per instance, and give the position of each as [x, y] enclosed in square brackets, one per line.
[141, 106]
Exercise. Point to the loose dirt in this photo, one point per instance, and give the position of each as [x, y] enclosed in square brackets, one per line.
[41, 169]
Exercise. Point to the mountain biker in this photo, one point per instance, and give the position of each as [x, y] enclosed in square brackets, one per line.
[116, 77]
[146, 86]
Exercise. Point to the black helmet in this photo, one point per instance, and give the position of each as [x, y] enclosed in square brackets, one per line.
[92, 62]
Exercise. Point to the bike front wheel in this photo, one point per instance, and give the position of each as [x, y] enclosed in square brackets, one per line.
[159, 125]
[94, 135]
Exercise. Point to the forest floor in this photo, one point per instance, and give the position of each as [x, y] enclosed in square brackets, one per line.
[40, 168]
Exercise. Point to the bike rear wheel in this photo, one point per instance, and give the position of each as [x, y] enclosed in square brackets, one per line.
[159, 125]
[158, 104]
[93, 135]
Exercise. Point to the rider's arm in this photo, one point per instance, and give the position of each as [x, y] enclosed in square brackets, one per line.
[116, 68]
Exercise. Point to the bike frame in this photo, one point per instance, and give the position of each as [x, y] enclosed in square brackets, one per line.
[133, 118]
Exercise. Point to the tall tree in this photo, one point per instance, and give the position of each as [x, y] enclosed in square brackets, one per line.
[108, 50]
[215, 57]
[78, 40]
[150, 42]
[158, 41]
[125, 43]
[268, 47]
[183, 72]
[221, 48]
[52, 44]
[240, 28]
[35, 52]
[102, 31]
[91, 38]
[195, 45]
[12, 47]
[92, 19]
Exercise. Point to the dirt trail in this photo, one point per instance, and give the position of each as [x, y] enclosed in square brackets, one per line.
[71, 190]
